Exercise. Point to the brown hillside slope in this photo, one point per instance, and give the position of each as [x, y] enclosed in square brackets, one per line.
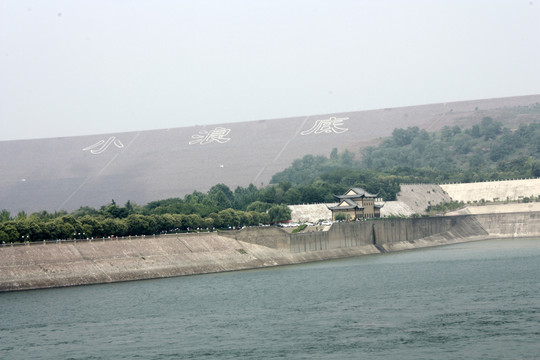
[66, 173]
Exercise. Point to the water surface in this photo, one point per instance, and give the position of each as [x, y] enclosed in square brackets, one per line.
[476, 300]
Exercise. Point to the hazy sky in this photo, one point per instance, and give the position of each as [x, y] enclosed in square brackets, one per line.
[70, 67]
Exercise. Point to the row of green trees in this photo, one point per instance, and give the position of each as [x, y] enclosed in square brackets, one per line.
[104, 224]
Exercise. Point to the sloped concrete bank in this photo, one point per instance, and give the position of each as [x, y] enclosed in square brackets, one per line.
[48, 265]
[37, 266]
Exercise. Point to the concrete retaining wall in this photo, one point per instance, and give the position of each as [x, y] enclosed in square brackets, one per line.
[385, 232]
[340, 235]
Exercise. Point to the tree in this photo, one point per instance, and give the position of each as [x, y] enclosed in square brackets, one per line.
[8, 232]
[21, 215]
[342, 216]
[347, 158]
[91, 225]
[229, 218]
[137, 224]
[84, 211]
[116, 227]
[115, 211]
[259, 206]
[446, 133]
[279, 213]
[222, 195]
[245, 196]
[475, 131]
[163, 222]
[334, 154]
[476, 161]
[4, 216]
[404, 137]
[132, 208]
[192, 221]
[63, 230]
[489, 128]
[208, 223]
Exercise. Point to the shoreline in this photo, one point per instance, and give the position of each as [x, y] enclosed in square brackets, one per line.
[50, 265]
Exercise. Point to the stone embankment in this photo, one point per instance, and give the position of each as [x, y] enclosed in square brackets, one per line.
[419, 196]
[493, 191]
[45, 265]
[415, 198]
[311, 212]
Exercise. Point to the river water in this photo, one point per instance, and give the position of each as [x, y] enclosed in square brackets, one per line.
[477, 300]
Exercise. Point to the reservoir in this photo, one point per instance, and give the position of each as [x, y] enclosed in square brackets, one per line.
[477, 300]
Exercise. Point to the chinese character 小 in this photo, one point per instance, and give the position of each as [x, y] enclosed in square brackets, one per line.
[102, 145]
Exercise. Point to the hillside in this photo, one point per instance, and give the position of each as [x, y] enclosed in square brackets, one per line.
[66, 173]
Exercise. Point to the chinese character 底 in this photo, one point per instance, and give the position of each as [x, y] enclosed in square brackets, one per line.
[327, 126]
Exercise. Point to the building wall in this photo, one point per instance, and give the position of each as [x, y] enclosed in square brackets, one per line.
[369, 207]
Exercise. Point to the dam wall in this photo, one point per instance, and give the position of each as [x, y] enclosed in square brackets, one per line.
[389, 234]
[45, 265]
[340, 235]
[385, 233]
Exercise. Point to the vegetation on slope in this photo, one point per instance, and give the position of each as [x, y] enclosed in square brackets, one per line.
[487, 151]
[483, 152]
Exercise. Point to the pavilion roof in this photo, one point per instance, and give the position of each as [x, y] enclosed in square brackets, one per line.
[356, 193]
[349, 205]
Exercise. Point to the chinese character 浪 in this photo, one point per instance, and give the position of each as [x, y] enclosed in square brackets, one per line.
[205, 137]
